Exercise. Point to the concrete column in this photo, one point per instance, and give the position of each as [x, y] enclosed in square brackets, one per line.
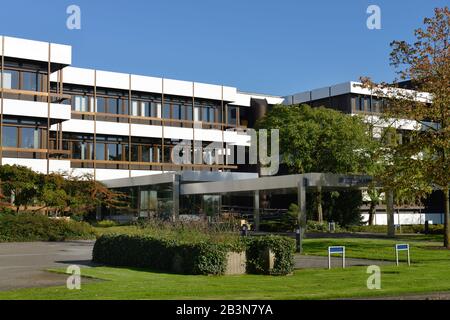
[301, 210]
[256, 210]
[176, 197]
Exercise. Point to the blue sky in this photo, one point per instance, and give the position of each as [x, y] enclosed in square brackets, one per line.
[275, 47]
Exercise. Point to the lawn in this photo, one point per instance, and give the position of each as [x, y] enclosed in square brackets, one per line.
[428, 273]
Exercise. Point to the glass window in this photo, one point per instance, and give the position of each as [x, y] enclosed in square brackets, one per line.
[166, 111]
[135, 108]
[134, 153]
[188, 112]
[114, 152]
[176, 110]
[147, 154]
[80, 150]
[100, 151]
[30, 81]
[211, 114]
[113, 106]
[196, 114]
[124, 107]
[232, 115]
[11, 79]
[100, 104]
[30, 138]
[80, 103]
[156, 110]
[9, 136]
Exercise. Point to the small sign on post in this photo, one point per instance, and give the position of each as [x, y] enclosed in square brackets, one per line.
[336, 250]
[402, 247]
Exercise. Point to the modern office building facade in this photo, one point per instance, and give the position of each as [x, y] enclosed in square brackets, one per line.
[121, 128]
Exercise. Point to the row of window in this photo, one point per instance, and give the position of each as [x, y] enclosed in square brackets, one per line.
[24, 80]
[176, 111]
[366, 104]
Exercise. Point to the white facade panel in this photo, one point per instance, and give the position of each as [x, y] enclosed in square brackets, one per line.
[146, 84]
[207, 91]
[40, 165]
[229, 93]
[112, 128]
[178, 133]
[142, 130]
[108, 174]
[75, 125]
[140, 173]
[26, 49]
[114, 80]
[36, 109]
[85, 77]
[60, 53]
[177, 87]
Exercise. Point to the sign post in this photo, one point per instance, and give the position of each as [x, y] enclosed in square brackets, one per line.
[336, 250]
[402, 247]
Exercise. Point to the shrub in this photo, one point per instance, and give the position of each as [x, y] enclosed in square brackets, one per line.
[106, 224]
[36, 227]
[282, 247]
[162, 254]
[192, 257]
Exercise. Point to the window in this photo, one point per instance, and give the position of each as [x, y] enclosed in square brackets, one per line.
[166, 111]
[232, 115]
[135, 108]
[80, 103]
[196, 114]
[113, 106]
[114, 152]
[101, 104]
[30, 81]
[9, 137]
[80, 150]
[100, 151]
[123, 109]
[188, 113]
[176, 110]
[147, 154]
[11, 79]
[30, 138]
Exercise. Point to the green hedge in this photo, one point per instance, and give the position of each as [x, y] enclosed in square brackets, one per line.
[161, 254]
[282, 247]
[35, 227]
[202, 257]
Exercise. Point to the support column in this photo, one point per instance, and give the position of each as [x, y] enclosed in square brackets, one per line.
[256, 210]
[301, 189]
[176, 197]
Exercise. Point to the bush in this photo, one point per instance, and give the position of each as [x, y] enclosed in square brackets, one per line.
[161, 254]
[106, 224]
[282, 247]
[35, 227]
[192, 257]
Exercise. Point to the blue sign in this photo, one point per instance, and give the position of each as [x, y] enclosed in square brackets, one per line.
[402, 246]
[336, 249]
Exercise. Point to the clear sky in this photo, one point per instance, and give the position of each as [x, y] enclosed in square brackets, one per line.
[275, 47]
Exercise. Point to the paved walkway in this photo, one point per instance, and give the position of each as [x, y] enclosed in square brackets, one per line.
[23, 265]
[305, 262]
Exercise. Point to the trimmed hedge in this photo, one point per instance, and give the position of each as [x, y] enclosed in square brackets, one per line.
[207, 258]
[283, 249]
[161, 254]
[35, 227]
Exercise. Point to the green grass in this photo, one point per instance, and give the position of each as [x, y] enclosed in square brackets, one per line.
[428, 273]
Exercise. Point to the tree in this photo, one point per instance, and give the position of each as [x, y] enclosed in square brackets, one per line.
[421, 163]
[319, 140]
[19, 185]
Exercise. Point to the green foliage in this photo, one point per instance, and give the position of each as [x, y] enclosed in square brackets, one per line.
[187, 256]
[106, 224]
[35, 227]
[287, 223]
[161, 254]
[282, 247]
[61, 194]
[319, 139]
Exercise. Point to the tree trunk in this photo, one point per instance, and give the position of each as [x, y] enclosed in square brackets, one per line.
[390, 212]
[446, 218]
[319, 205]
[372, 211]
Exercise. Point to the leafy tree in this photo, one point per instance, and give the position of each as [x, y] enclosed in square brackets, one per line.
[19, 185]
[319, 140]
[421, 163]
